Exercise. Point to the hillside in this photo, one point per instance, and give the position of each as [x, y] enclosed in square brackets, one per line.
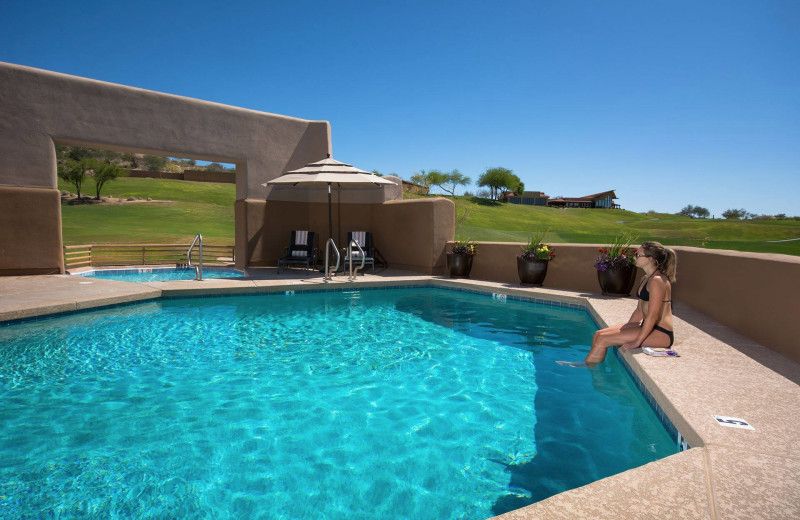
[208, 209]
[483, 220]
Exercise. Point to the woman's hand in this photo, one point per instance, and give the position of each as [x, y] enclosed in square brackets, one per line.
[629, 346]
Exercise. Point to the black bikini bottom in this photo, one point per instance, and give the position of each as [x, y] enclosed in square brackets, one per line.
[667, 332]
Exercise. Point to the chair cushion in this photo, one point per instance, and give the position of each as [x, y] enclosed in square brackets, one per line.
[300, 239]
[360, 237]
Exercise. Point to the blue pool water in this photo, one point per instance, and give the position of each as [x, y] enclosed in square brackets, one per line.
[407, 403]
[160, 274]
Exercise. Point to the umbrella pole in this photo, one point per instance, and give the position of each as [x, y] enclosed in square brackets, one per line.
[330, 215]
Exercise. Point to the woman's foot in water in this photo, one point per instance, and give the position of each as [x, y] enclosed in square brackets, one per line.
[576, 364]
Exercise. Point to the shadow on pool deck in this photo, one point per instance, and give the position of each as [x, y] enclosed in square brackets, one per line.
[766, 357]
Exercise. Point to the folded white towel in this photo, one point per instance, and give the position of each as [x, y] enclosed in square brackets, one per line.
[300, 239]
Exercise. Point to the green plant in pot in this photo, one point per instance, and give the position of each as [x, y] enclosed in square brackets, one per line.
[616, 266]
[459, 258]
[532, 263]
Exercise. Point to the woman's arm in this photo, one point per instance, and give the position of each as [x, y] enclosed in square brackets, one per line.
[657, 289]
[637, 315]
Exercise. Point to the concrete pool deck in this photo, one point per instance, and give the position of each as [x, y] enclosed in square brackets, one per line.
[727, 473]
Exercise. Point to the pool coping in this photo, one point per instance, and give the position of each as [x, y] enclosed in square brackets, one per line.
[726, 472]
[90, 272]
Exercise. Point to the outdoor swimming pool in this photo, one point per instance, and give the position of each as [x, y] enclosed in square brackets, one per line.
[160, 274]
[404, 403]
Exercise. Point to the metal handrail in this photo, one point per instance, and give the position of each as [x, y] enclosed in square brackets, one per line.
[328, 244]
[198, 269]
[350, 258]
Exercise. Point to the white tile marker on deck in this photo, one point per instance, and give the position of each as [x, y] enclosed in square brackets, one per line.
[732, 422]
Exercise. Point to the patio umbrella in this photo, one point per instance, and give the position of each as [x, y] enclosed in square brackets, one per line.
[331, 172]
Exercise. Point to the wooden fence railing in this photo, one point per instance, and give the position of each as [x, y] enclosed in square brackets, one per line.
[143, 254]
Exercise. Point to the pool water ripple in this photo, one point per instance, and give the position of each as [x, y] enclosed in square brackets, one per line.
[388, 404]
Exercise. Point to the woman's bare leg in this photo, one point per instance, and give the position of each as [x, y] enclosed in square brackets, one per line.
[608, 337]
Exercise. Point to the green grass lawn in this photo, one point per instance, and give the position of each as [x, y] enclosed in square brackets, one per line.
[173, 223]
[162, 189]
[494, 221]
[197, 207]
[207, 208]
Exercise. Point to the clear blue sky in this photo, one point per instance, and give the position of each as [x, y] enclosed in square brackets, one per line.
[667, 102]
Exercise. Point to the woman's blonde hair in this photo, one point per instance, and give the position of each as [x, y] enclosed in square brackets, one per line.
[665, 258]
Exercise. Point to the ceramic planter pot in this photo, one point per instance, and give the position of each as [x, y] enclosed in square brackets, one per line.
[459, 265]
[617, 281]
[532, 271]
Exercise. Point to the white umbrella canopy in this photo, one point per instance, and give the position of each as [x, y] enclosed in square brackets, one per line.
[329, 172]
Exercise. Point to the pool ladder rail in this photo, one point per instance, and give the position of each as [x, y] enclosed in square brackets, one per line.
[350, 259]
[198, 267]
[329, 273]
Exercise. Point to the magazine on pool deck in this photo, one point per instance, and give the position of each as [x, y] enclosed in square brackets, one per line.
[659, 352]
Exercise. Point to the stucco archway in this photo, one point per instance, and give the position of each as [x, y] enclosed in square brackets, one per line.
[41, 108]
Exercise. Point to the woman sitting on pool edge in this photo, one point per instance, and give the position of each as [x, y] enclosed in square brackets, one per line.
[650, 325]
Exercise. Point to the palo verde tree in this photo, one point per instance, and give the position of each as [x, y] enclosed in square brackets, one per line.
[421, 178]
[446, 181]
[500, 179]
[74, 172]
[103, 172]
[436, 178]
[452, 180]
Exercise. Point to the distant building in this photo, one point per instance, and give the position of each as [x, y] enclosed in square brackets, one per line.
[529, 198]
[598, 200]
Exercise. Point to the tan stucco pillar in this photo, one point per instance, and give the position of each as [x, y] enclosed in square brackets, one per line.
[30, 231]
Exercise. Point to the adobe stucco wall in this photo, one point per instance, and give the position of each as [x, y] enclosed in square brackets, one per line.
[29, 242]
[755, 294]
[150, 174]
[204, 176]
[40, 108]
[187, 175]
[411, 234]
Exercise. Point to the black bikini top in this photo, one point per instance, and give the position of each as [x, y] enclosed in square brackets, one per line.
[643, 294]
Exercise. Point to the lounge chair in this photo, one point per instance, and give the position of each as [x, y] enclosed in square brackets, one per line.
[364, 239]
[301, 251]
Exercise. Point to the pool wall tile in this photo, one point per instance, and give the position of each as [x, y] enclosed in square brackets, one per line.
[73, 312]
[681, 443]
